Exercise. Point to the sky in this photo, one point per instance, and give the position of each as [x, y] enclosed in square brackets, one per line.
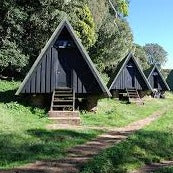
[152, 22]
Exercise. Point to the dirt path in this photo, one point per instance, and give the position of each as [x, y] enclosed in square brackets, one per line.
[153, 167]
[80, 155]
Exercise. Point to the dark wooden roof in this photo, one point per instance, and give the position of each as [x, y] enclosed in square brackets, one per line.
[65, 23]
[122, 65]
[150, 71]
[169, 80]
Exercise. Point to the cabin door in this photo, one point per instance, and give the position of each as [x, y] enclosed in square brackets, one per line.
[155, 81]
[64, 71]
[131, 76]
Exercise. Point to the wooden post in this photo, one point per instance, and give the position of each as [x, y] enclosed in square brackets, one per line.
[51, 107]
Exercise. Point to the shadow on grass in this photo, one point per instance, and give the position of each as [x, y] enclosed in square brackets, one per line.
[144, 147]
[25, 100]
[38, 144]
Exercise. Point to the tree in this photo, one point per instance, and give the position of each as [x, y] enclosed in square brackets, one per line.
[121, 6]
[155, 53]
[13, 17]
[99, 10]
[11, 55]
[141, 56]
[27, 25]
[82, 20]
[112, 44]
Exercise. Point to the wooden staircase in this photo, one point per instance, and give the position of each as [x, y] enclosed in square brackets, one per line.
[133, 96]
[63, 99]
[62, 109]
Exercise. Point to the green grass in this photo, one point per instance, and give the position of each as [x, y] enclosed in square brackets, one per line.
[165, 170]
[151, 144]
[115, 113]
[23, 136]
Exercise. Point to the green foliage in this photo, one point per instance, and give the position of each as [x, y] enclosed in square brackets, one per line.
[29, 24]
[117, 114]
[165, 72]
[112, 44]
[83, 23]
[164, 170]
[141, 56]
[149, 145]
[23, 134]
[156, 53]
[13, 18]
[122, 6]
[10, 53]
[99, 10]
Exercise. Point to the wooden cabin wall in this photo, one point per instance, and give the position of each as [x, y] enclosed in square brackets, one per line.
[161, 84]
[45, 77]
[124, 79]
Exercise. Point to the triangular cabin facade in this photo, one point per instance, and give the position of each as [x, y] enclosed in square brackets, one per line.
[169, 80]
[156, 80]
[128, 79]
[63, 67]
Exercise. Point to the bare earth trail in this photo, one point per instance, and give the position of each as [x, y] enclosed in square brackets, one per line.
[81, 154]
[153, 167]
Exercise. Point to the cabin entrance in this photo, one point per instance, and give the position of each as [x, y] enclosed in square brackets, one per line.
[131, 77]
[155, 76]
[64, 71]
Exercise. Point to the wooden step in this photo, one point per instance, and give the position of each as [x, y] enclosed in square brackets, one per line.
[58, 100]
[62, 106]
[63, 95]
[63, 88]
[63, 91]
[64, 114]
[134, 96]
[63, 99]
[66, 120]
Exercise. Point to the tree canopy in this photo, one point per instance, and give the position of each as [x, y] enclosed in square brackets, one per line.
[155, 53]
[101, 25]
[27, 25]
[141, 56]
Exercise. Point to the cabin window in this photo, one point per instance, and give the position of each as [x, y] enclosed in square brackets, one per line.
[155, 74]
[62, 44]
[130, 65]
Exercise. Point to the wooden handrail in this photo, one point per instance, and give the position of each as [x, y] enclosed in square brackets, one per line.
[53, 94]
[73, 100]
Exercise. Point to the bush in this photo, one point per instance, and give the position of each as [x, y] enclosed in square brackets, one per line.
[11, 55]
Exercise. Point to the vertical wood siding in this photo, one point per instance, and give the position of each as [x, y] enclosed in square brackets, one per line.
[124, 80]
[161, 84]
[45, 77]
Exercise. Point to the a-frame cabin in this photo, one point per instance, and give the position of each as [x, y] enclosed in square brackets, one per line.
[169, 80]
[156, 80]
[65, 70]
[128, 80]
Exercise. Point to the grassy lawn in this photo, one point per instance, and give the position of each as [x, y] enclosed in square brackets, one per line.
[115, 113]
[151, 144]
[23, 136]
